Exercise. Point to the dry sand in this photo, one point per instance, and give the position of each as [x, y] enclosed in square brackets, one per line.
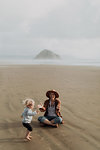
[79, 89]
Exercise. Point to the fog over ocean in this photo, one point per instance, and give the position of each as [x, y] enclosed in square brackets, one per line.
[29, 59]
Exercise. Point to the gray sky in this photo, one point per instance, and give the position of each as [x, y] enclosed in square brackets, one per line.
[64, 26]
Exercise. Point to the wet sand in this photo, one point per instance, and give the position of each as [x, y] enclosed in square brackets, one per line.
[79, 89]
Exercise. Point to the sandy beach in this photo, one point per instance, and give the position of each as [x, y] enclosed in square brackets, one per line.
[79, 89]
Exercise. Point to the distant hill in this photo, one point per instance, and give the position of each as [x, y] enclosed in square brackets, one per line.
[47, 54]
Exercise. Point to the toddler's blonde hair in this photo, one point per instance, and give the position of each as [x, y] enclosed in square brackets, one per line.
[28, 102]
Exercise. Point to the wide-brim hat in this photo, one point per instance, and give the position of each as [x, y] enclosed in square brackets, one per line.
[52, 91]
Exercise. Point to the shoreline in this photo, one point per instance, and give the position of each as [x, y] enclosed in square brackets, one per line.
[7, 65]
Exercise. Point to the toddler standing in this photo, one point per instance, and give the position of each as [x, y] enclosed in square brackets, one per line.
[27, 116]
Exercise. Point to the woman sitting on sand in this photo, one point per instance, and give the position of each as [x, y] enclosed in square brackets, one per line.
[51, 107]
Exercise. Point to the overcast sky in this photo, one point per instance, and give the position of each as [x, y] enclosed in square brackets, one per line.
[67, 27]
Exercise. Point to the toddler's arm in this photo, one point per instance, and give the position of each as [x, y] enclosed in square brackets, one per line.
[32, 113]
[22, 115]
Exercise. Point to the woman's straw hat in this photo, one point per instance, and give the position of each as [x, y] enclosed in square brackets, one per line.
[52, 91]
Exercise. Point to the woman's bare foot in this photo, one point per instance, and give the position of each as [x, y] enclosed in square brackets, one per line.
[55, 125]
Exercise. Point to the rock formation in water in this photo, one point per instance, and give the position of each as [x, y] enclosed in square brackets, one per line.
[47, 54]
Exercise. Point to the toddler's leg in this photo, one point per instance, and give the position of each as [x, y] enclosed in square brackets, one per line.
[28, 132]
[28, 137]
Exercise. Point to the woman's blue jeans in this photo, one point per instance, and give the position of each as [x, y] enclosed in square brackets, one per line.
[55, 118]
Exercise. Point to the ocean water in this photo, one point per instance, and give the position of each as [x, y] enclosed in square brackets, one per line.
[22, 60]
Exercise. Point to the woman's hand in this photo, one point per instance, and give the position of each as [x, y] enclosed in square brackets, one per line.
[40, 105]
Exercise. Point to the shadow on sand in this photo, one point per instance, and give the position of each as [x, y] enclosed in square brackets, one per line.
[16, 125]
[12, 140]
